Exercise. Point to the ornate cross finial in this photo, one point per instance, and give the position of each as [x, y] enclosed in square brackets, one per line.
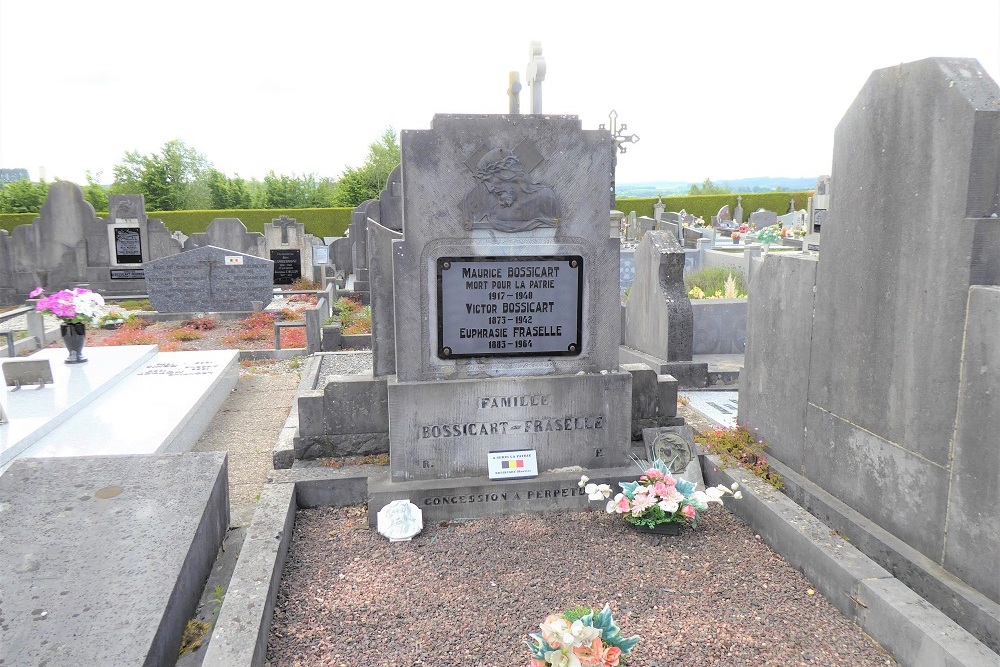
[514, 93]
[535, 76]
[617, 133]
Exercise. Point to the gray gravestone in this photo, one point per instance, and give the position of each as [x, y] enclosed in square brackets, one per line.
[390, 201]
[897, 415]
[7, 291]
[340, 255]
[51, 251]
[228, 233]
[506, 304]
[761, 218]
[208, 279]
[380, 273]
[819, 203]
[290, 248]
[658, 312]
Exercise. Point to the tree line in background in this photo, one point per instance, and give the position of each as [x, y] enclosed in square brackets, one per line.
[180, 178]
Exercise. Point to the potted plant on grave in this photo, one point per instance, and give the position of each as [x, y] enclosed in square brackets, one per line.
[75, 308]
[767, 236]
[580, 637]
[658, 502]
[736, 237]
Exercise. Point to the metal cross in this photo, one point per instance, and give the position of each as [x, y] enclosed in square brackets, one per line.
[617, 133]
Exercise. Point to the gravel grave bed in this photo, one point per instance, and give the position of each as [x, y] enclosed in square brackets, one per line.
[470, 592]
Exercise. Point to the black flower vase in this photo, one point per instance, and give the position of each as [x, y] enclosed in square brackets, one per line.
[74, 335]
[667, 528]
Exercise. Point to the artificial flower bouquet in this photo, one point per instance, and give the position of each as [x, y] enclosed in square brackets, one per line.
[72, 306]
[658, 497]
[768, 235]
[580, 637]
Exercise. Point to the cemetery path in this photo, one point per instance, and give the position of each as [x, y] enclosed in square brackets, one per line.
[247, 426]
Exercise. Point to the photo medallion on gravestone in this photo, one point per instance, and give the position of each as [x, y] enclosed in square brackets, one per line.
[507, 326]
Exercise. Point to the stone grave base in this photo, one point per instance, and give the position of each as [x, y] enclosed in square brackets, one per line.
[689, 374]
[475, 497]
[105, 557]
[447, 429]
[124, 400]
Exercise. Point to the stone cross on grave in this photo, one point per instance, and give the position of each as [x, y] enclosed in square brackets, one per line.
[514, 93]
[285, 223]
[535, 76]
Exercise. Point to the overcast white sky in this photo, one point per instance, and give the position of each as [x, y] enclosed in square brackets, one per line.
[722, 89]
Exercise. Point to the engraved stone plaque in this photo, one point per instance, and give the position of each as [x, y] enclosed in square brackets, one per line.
[504, 306]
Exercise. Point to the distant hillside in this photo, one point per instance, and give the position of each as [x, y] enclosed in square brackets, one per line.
[756, 184]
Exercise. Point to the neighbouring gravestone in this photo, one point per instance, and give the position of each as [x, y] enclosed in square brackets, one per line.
[659, 324]
[506, 306]
[209, 279]
[896, 415]
[340, 255]
[117, 250]
[819, 203]
[290, 248]
[390, 201]
[380, 240]
[626, 271]
[67, 244]
[7, 292]
[761, 218]
[231, 234]
[51, 251]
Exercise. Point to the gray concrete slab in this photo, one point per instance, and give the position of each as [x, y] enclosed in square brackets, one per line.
[916, 633]
[241, 631]
[719, 407]
[105, 557]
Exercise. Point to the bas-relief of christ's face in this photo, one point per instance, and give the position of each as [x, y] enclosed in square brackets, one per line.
[501, 189]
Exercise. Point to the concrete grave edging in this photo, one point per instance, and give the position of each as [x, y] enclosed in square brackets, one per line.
[909, 628]
[914, 632]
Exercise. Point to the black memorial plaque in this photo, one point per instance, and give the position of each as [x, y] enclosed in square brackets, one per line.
[128, 274]
[287, 265]
[509, 306]
[128, 245]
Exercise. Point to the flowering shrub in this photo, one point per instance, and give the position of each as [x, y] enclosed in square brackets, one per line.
[182, 334]
[658, 497]
[354, 318]
[72, 306]
[738, 446]
[580, 637]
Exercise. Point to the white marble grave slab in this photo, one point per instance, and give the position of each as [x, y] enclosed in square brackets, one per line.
[718, 406]
[33, 413]
[163, 407]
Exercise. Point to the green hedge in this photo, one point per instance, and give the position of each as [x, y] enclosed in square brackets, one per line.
[705, 206]
[334, 221]
[319, 222]
[9, 221]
